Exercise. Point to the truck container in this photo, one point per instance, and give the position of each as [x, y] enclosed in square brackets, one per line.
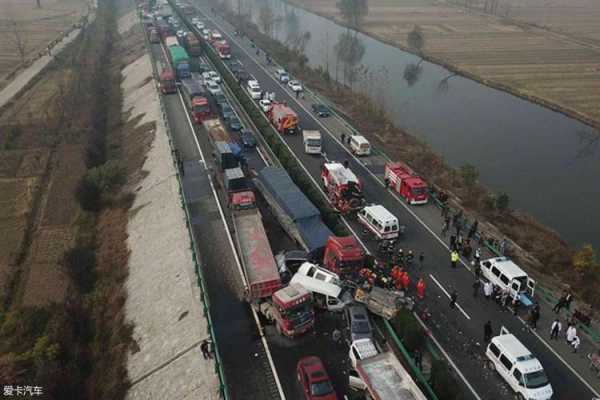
[404, 181]
[383, 375]
[180, 61]
[343, 188]
[171, 41]
[217, 133]
[192, 44]
[283, 118]
[196, 99]
[298, 216]
[154, 36]
[167, 81]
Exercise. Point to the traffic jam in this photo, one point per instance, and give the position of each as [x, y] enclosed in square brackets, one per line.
[326, 273]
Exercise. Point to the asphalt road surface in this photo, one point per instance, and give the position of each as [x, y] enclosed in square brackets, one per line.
[460, 330]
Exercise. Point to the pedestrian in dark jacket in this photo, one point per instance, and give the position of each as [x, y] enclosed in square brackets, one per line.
[343, 138]
[473, 229]
[562, 302]
[487, 331]
[476, 287]
[205, 350]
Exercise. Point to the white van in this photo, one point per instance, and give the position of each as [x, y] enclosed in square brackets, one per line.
[359, 145]
[253, 89]
[518, 367]
[312, 142]
[282, 75]
[382, 223]
[505, 274]
[324, 285]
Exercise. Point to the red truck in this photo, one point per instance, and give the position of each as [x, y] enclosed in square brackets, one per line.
[167, 81]
[283, 118]
[343, 187]
[290, 308]
[196, 99]
[344, 256]
[406, 183]
[223, 50]
[192, 44]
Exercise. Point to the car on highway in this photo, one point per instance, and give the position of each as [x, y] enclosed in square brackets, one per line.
[181, 33]
[215, 76]
[220, 100]
[195, 20]
[265, 105]
[358, 322]
[282, 75]
[295, 86]
[321, 110]
[213, 88]
[205, 34]
[200, 25]
[234, 123]
[235, 65]
[247, 138]
[226, 111]
[206, 78]
[314, 379]
[253, 89]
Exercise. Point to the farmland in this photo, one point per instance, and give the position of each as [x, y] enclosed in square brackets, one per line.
[558, 67]
[28, 30]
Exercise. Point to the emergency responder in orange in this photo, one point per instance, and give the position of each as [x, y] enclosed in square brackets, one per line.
[421, 288]
[405, 280]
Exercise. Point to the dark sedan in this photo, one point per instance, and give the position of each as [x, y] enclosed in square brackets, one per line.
[321, 110]
[234, 123]
[248, 139]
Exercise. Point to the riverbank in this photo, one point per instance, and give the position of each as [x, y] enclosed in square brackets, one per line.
[537, 248]
[485, 52]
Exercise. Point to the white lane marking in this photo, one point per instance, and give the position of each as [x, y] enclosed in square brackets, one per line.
[440, 240]
[448, 295]
[235, 254]
[563, 360]
[447, 356]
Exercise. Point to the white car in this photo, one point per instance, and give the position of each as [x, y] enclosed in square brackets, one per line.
[199, 25]
[205, 33]
[295, 86]
[213, 88]
[264, 105]
[181, 33]
[206, 78]
[253, 89]
[215, 76]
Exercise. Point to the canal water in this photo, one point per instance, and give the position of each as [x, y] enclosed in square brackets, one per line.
[548, 163]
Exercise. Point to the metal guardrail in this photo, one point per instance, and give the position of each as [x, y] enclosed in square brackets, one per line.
[223, 390]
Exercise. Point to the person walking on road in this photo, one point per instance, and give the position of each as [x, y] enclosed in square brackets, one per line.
[562, 302]
[476, 287]
[477, 255]
[453, 298]
[343, 136]
[452, 242]
[418, 358]
[454, 257]
[555, 329]
[476, 269]
[421, 288]
[575, 343]
[421, 260]
[488, 290]
[473, 229]
[349, 139]
[446, 226]
[571, 333]
[568, 300]
[487, 331]
[205, 349]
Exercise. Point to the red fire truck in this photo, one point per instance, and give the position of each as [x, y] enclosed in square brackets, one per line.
[283, 118]
[406, 183]
[343, 187]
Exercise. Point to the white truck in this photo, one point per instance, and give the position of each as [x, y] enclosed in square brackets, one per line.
[312, 142]
[382, 374]
[325, 286]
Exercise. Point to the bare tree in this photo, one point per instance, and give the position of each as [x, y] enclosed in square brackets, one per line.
[416, 42]
[350, 50]
[353, 11]
[17, 36]
[266, 19]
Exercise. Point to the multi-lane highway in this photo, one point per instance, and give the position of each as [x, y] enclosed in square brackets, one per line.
[459, 331]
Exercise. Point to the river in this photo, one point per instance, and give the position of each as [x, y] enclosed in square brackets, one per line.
[548, 163]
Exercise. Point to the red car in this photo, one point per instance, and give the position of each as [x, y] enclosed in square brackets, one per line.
[314, 379]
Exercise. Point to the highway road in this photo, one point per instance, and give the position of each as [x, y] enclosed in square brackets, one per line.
[459, 331]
